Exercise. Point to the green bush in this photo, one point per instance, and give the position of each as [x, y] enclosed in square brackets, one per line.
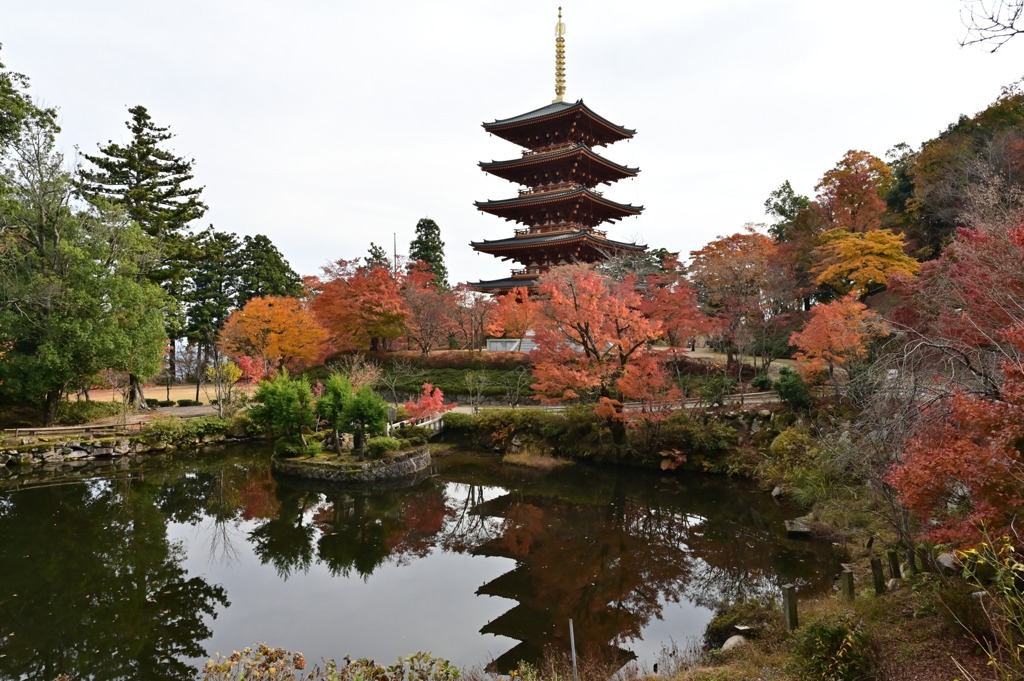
[792, 389]
[76, 413]
[165, 403]
[416, 435]
[152, 402]
[377, 447]
[294, 446]
[188, 403]
[836, 651]
[761, 382]
[174, 430]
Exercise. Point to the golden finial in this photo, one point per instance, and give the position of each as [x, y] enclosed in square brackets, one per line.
[559, 58]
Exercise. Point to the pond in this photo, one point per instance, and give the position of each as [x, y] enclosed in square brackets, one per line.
[143, 572]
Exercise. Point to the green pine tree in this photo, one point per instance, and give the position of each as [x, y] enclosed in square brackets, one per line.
[427, 247]
[150, 184]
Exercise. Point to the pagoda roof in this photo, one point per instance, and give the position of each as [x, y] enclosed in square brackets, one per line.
[580, 204]
[542, 126]
[520, 169]
[503, 285]
[555, 239]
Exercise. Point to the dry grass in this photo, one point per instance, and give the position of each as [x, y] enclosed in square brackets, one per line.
[539, 461]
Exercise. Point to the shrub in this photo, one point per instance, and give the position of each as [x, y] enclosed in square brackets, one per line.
[172, 429]
[836, 651]
[416, 435]
[75, 413]
[792, 389]
[296, 446]
[188, 403]
[377, 447]
[152, 402]
[762, 382]
[165, 403]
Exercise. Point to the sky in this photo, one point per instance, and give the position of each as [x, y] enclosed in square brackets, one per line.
[328, 124]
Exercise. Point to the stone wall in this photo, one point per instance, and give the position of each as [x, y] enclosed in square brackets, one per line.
[35, 451]
[383, 470]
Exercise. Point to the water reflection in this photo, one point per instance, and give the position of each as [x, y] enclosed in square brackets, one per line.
[613, 550]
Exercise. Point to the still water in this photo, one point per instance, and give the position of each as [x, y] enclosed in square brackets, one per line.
[144, 572]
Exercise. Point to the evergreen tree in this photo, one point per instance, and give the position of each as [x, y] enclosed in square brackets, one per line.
[377, 257]
[17, 108]
[263, 271]
[211, 288]
[149, 183]
[72, 301]
[427, 247]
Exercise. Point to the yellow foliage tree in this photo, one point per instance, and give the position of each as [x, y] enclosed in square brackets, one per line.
[864, 262]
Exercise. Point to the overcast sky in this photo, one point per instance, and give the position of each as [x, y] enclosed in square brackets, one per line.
[328, 124]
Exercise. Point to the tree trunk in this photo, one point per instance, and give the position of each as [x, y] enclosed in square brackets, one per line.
[172, 361]
[136, 398]
[53, 399]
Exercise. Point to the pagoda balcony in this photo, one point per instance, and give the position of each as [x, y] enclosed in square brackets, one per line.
[526, 272]
[561, 146]
[562, 228]
[554, 188]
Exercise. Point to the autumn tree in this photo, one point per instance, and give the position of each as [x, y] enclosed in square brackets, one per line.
[837, 335]
[360, 307]
[591, 330]
[962, 474]
[282, 332]
[472, 317]
[852, 194]
[430, 403]
[429, 322]
[670, 298]
[515, 313]
[864, 262]
[732, 275]
[427, 247]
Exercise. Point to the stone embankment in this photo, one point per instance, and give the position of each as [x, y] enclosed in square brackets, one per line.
[57, 452]
[391, 469]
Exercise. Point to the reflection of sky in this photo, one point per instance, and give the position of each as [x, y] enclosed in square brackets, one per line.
[428, 605]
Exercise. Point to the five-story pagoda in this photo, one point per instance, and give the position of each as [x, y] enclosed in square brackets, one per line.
[559, 208]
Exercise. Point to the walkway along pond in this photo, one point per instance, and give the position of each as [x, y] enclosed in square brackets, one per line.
[143, 572]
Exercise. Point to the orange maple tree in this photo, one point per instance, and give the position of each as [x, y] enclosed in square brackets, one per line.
[670, 298]
[279, 331]
[836, 335]
[362, 307]
[591, 329]
[515, 313]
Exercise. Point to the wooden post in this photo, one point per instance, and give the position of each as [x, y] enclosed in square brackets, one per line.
[846, 583]
[877, 576]
[789, 606]
[911, 562]
[925, 558]
[894, 564]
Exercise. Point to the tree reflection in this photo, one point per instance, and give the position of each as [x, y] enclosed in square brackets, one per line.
[93, 587]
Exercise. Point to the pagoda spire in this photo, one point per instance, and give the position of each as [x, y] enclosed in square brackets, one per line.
[559, 59]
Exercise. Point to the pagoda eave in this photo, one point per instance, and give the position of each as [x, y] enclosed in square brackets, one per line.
[544, 125]
[574, 163]
[582, 205]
